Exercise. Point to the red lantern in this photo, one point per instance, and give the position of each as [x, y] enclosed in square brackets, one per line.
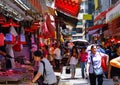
[1, 39]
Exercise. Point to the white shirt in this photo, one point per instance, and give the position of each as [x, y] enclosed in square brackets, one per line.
[73, 60]
[50, 77]
[96, 60]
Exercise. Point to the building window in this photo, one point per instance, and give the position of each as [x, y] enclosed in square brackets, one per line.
[80, 22]
[114, 1]
[79, 30]
[77, 37]
[73, 29]
[80, 37]
[81, 10]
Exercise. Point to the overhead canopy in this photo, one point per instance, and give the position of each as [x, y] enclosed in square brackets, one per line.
[93, 31]
[103, 14]
[96, 27]
[67, 19]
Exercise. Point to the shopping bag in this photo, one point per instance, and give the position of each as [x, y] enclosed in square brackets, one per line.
[67, 70]
[103, 64]
[98, 71]
[17, 47]
[21, 39]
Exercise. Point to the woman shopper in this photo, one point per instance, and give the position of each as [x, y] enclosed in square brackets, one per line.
[73, 60]
[94, 61]
[45, 70]
[83, 56]
[57, 56]
[115, 66]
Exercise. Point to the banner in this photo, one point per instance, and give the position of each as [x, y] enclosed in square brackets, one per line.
[70, 7]
[87, 16]
[96, 4]
[113, 14]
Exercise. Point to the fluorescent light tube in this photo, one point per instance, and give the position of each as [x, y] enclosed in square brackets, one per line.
[22, 5]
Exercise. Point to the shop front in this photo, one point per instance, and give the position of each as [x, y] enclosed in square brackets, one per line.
[113, 20]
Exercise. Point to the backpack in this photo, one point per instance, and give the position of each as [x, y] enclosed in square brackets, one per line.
[41, 79]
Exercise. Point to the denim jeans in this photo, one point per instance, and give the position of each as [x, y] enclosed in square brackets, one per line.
[83, 66]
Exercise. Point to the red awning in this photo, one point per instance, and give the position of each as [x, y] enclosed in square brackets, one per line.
[96, 27]
[103, 14]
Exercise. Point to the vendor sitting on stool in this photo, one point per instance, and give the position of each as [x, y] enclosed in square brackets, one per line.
[8, 64]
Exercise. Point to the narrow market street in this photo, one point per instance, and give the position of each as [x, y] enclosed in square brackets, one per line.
[66, 80]
[59, 42]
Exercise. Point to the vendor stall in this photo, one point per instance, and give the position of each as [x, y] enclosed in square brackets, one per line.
[14, 75]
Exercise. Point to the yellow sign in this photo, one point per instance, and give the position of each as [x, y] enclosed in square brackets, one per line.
[87, 17]
[96, 4]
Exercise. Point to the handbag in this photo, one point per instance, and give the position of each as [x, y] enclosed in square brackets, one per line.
[96, 71]
[40, 81]
[67, 70]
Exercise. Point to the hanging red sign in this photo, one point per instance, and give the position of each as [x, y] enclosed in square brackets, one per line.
[68, 6]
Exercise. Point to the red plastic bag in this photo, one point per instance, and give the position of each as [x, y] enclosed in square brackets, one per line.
[1, 39]
[17, 47]
[21, 39]
[103, 64]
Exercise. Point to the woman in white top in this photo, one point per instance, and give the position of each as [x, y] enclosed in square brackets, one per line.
[73, 60]
[94, 61]
[57, 56]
